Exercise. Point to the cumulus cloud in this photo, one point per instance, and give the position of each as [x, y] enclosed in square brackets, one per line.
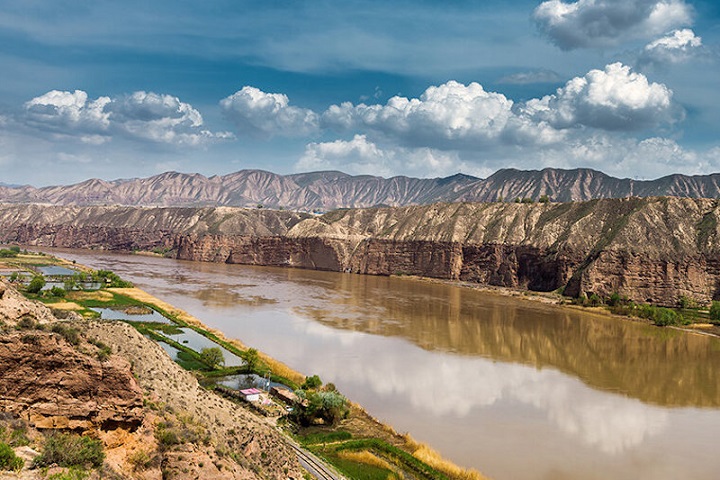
[611, 99]
[453, 116]
[70, 113]
[677, 47]
[258, 113]
[448, 113]
[140, 115]
[602, 23]
[362, 156]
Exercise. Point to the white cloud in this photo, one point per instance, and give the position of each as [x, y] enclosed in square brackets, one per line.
[361, 156]
[140, 115]
[451, 113]
[70, 113]
[602, 23]
[258, 113]
[611, 99]
[676, 47]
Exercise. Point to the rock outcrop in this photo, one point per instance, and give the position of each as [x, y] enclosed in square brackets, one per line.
[649, 249]
[47, 381]
[52, 377]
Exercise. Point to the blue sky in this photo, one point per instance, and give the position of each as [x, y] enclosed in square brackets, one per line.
[420, 88]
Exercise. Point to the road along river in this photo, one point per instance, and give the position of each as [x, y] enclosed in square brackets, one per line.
[516, 389]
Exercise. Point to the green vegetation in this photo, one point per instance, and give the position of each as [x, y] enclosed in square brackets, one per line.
[70, 450]
[36, 284]
[73, 473]
[316, 438]
[71, 334]
[331, 445]
[212, 357]
[8, 459]
[715, 312]
[312, 383]
[109, 279]
[660, 316]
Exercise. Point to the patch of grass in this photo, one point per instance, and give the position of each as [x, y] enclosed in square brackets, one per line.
[391, 453]
[357, 470]
[73, 473]
[70, 450]
[8, 459]
[324, 437]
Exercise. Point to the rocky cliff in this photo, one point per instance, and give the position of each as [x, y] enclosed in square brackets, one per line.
[330, 190]
[650, 249]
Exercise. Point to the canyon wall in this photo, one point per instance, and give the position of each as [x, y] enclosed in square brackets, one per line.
[649, 249]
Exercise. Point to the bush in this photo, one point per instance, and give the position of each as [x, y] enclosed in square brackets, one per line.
[594, 300]
[8, 459]
[311, 383]
[36, 284]
[72, 335]
[70, 450]
[715, 312]
[26, 323]
[57, 292]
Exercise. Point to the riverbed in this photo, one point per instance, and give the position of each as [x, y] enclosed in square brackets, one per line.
[516, 389]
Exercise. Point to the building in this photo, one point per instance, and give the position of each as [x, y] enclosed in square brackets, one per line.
[251, 394]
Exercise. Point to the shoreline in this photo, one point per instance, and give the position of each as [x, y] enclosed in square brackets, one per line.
[556, 300]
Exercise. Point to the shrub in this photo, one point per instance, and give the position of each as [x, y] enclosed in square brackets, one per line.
[8, 459]
[311, 383]
[72, 335]
[26, 323]
[594, 300]
[36, 284]
[715, 311]
[57, 292]
[140, 460]
[614, 300]
[70, 450]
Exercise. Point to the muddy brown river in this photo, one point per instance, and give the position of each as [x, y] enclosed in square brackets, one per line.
[516, 389]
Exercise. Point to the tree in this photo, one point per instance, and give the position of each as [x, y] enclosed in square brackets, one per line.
[544, 199]
[311, 383]
[36, 284]
[715, 311]
[252, 359]
[212, 357]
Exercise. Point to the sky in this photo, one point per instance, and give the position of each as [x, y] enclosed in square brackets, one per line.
[422, 88]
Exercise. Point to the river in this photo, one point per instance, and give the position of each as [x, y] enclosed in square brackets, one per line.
[514, 388]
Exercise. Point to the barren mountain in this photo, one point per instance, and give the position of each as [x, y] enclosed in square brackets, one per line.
[330, 190]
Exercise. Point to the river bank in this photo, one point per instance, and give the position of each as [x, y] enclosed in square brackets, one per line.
[359, 425]
[479, 377]
[557, 300]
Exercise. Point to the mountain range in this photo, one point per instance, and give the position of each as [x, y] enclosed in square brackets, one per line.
[329, 190]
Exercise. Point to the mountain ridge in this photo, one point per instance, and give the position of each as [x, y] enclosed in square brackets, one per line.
[328, 190]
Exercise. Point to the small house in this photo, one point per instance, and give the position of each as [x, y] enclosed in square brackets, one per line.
[251, 394]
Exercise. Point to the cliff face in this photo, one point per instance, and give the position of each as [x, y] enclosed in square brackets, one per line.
[654, 249]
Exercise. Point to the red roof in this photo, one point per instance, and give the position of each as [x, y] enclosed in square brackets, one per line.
[250, 391]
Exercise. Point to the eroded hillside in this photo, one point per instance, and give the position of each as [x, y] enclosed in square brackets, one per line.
[654, 249]
[105, 380]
